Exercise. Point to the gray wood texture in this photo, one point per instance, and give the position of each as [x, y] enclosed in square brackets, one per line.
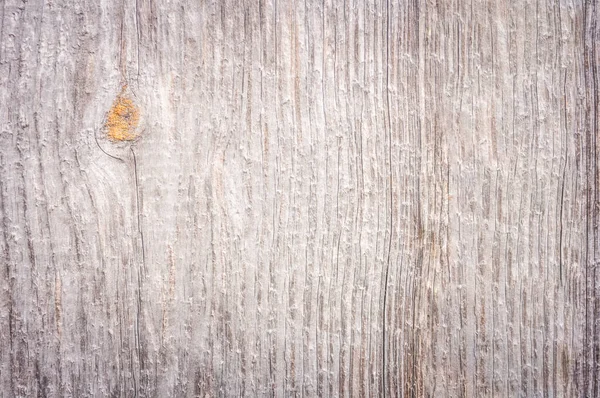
[325, 198]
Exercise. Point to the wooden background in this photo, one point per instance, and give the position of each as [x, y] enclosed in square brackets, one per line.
[337, 198]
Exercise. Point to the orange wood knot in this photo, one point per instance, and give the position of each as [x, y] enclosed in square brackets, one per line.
[123, 118]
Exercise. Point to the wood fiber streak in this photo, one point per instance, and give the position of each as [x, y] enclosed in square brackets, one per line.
[322, 198]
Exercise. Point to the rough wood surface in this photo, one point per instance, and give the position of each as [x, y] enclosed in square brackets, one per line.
[337, 198]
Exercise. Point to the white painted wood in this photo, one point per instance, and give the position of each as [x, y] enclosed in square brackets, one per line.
[336, 198]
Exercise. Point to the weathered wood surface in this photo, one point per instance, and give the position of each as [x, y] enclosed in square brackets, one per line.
[337, 198]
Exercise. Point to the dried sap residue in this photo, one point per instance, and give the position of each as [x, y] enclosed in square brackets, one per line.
[122, 119]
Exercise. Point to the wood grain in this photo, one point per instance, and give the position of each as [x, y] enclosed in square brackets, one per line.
[336, 198]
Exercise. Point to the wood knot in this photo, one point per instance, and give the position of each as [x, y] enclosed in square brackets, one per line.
[123, 118]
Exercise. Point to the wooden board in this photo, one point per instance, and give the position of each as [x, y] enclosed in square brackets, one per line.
[338, 198]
